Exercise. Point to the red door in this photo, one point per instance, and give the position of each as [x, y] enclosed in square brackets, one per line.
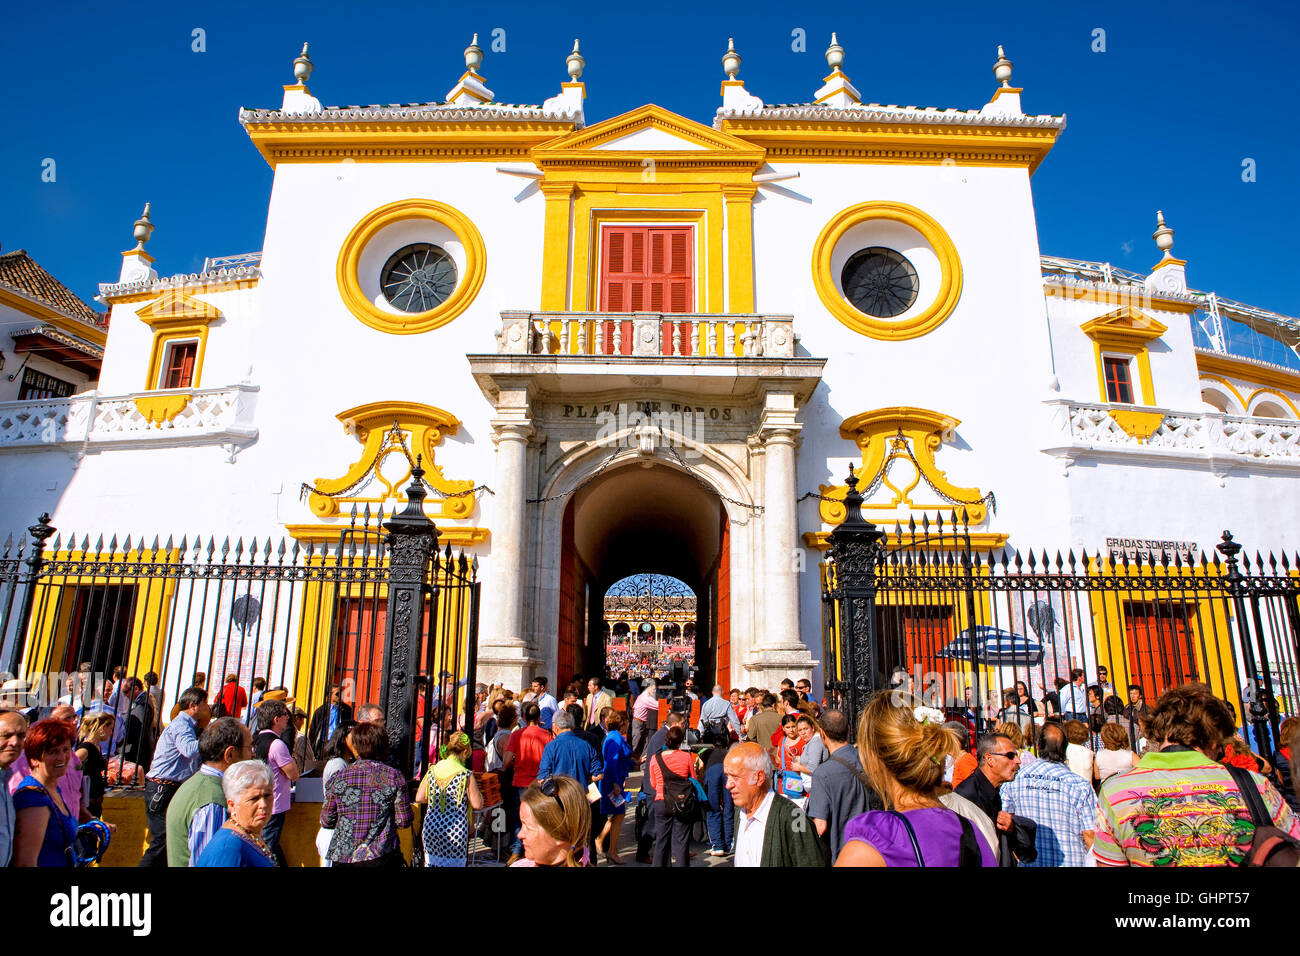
[359, 648]
[724, 607]
[646, 269]
[1160, 653]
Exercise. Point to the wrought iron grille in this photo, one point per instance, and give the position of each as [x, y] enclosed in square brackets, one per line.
[81, 621]
[989, 637]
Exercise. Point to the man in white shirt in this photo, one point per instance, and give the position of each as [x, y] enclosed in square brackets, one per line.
[1074, 697]
[772, 831]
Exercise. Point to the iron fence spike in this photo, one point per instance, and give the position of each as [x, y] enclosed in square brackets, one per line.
[925, 523]
[1060, 565]
[353, 514]
[1285, 565]
[1032, 564]
[473, 565]
[212, 547]
[1164, 559]
[112, 546]
[938, 521]
[965, 516]
[462, 564]
[448, 554]
[267, 549]
[1018, 563]
[58, 543]
[9, 542]
[126, 546]
[1259, 562]
[239, 548]
[99, 545]
[280, 551]
[911, 523]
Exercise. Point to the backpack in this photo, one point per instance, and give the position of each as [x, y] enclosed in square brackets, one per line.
[218, 706]
[680, 798]
[1271, 846]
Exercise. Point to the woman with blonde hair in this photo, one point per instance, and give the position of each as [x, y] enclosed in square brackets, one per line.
[451, 794]
[903, 758]
[96, 730]
[554, 822]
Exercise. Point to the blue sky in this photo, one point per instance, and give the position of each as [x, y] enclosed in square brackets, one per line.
[1164, 118]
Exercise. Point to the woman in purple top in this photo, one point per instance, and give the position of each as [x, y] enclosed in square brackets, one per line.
[904, 760]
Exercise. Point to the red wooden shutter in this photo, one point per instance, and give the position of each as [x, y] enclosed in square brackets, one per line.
[180, 365]
[724, 607]
[1160, 648]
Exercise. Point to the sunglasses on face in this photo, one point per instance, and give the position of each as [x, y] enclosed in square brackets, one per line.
[1009, 755]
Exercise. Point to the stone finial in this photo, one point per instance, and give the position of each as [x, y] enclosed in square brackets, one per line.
[1164, 236]
[302, 67]
[473, 55]
[1002, 68]
[731, 59]
[575, 63]
[834, 54]
[143, 229]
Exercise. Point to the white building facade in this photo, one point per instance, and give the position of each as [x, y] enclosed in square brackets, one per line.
[645, 344]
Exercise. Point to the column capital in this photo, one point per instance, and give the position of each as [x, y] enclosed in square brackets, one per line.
[512, 429]
[736, 192]
[556, 190]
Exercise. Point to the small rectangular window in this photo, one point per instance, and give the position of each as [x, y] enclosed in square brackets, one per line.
[1119, 382]
[178, 371]
[37, 385]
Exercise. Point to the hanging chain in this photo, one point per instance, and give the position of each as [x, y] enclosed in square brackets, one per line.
[394, 436]
[603, 465]
[756, 509]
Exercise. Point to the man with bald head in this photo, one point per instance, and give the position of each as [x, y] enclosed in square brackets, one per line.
[717, 711]
[770, 829]
[13, 729]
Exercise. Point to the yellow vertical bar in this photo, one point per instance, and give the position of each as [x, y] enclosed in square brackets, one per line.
[740, 247]
[555, 248]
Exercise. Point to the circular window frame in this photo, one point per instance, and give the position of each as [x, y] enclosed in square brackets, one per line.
[410, 323]
[410, 249]
[832, 296]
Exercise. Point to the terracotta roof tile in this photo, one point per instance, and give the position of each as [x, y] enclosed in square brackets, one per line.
[20, 271]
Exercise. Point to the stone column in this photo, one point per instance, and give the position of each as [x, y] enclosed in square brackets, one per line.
[781, 651]
[504, 651]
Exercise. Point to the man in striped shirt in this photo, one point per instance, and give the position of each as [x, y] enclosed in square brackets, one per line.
[1057, 799]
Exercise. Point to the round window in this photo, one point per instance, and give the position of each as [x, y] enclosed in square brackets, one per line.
[879, 282]
[418, 277]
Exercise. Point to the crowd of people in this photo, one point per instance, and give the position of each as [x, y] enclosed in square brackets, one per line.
[765, 777]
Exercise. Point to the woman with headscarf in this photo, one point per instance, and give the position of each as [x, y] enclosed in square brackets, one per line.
[451, 794]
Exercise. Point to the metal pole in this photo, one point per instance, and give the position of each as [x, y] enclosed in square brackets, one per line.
[856, 545]
[40, 531]
[1238, 586]
[412, 539]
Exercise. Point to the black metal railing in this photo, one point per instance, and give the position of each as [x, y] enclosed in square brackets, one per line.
[992, 635]
[125, 627]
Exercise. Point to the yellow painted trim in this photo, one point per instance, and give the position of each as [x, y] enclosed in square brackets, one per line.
[1003, 90]
[979, 541]
[1210, 633]
[649, 117]
[914, 144]
[458, 536]
[139, 253]
[556, 233]
[1232, 389]
[1168, 262]
[1276, 394]
[162, 407]
[1146, 385]
[426, 427]
[51, 622]
[1247, 371]
[877, 433]
[60, 321]
[176, 305]
[295, 88]
[1123, 296]
[408, 141]
[1139, 425]
[467, 287]
[1127, 331]
[828, 286]
[158, 352]
[740, 247]
[591, 210]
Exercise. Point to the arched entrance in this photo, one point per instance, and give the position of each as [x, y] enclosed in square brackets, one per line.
[643, 523]
[655, 617]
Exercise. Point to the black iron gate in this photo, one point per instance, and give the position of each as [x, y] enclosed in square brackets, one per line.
[985, 634]
[124, 627]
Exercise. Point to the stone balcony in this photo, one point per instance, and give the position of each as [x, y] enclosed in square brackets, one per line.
[1159, 433]
[647, 334]
[208, 416]
[736, 356]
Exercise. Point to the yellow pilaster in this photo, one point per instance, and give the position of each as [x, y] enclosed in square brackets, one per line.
[740, 247]
[555, 248]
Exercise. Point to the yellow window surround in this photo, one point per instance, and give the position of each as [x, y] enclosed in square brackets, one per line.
[1127, 332]
[174, 317]
[913, 435]
[710, 186]
[392, 430]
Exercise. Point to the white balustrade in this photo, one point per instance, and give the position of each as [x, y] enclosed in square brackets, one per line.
[1211, 434]
[210, 416]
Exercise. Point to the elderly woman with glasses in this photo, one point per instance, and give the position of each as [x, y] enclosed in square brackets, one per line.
[250, 793]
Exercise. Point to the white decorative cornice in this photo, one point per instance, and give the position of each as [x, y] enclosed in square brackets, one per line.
[876, 113]
[412, 111]
[183, 281]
